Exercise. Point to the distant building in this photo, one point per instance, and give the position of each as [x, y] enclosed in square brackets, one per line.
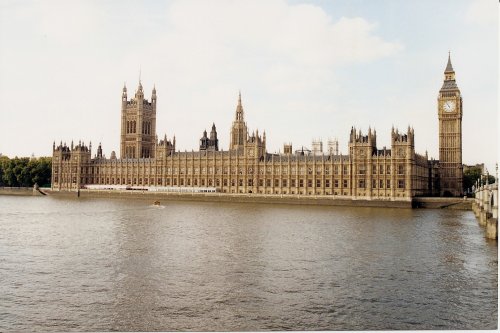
[317, 147]
[287, 149]
[366, 171]
[333, 147]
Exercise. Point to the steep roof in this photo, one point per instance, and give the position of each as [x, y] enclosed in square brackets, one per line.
[449, 67]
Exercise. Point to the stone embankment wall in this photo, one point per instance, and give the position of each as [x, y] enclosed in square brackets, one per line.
[420, 202]
[25, 191]
[16, 190]
[448, 203]
[237, 198]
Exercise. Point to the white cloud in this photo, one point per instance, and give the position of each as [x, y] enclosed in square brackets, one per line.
[279, 52]
[73, 56]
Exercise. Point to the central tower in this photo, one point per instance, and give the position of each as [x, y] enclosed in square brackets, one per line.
[239, 129]
[450, 135]
[138, 130]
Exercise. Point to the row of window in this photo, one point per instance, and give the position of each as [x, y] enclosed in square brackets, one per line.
[380, 169]
[130, 152]
[362, 183]
[240, 182]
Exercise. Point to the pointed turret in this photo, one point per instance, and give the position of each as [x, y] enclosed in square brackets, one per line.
[139, 94]
[213, 133]
[239, 109]
[239, 128]
[153, 95]
[99, 151]
[449, 67]
[124, 92]
[449, 76]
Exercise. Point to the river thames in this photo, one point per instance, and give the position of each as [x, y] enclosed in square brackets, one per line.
[126, 265]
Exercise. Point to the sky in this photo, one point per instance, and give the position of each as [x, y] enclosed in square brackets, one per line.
[306, 70]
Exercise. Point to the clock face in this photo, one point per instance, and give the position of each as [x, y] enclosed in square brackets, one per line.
[449, 106]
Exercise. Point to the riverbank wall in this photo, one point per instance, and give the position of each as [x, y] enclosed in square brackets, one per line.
[22, 191]
[419, 202]
[237, 198]
[448, 203]
[434, 203]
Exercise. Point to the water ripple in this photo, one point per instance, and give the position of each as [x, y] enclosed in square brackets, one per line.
[118, 265]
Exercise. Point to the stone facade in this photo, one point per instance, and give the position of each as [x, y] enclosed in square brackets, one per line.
[450, 135]
[138, 128]
[366, 172]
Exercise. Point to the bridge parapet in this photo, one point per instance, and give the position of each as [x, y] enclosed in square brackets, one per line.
[485, 204]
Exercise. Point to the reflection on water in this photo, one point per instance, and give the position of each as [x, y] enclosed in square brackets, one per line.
[90, 265]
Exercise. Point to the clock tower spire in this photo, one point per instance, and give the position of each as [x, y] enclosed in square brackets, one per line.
[450, 134]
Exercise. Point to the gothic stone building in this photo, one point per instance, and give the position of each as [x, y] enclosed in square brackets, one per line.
[366, 172]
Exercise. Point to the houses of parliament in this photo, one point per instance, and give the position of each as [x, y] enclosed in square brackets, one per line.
[365, 172]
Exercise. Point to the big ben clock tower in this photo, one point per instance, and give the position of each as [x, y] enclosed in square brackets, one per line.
[450, 135]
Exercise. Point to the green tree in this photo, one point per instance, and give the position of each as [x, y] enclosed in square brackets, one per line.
[22, 172]
[4, 161]
[471, 175]
[25, 171]
[41, 171]
[9, 176]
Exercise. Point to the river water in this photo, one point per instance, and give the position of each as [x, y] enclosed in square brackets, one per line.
[113, 264]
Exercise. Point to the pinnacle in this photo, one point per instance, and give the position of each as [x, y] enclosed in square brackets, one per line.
[449, 67]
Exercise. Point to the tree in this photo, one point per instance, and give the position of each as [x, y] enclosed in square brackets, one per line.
[25, 171]
[471, 175]
[4, 161]
[41, 171]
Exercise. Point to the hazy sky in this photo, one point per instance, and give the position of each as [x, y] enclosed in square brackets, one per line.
[306, 69]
